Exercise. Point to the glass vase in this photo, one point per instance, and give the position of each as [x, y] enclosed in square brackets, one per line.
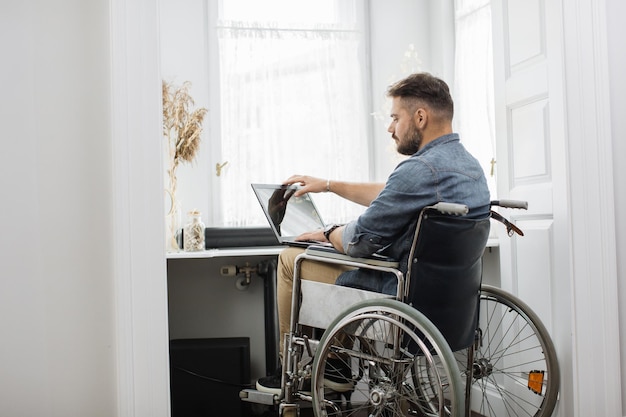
[173, 224]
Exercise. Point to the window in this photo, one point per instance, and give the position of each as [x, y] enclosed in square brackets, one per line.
[293, 100]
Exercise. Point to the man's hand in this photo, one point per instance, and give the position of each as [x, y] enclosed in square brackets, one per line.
[362, 193]
[318, 236]
[309, 184]
[315, 236]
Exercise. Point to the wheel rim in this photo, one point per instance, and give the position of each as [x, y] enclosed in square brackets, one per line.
[389, 377]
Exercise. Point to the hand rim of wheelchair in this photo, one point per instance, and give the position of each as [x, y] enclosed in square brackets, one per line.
[397, 314]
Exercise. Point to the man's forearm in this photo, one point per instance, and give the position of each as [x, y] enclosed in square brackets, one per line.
[360, 193]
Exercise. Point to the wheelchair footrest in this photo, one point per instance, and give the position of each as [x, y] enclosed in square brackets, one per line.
[258, 397]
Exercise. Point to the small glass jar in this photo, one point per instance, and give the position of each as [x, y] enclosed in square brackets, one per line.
[193, 234]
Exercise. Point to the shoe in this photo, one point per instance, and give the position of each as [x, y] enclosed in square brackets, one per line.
[272, 383]
[338, 375]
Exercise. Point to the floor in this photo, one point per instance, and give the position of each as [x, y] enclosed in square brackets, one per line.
[308, 412]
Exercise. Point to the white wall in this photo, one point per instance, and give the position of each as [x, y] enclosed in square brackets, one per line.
[616, 10]
[393, 27]
[426, 25]
[56, 287]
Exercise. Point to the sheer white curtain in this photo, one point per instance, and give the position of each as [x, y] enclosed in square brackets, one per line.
[292, 100]
[474, 113]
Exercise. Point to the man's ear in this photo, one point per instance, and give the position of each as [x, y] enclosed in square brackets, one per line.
[420, 118]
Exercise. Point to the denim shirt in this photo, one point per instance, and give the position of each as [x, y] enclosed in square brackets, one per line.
[442, 170]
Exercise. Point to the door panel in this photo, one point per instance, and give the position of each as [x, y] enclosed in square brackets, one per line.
[534, 257]
[525, 34]
[529, 141]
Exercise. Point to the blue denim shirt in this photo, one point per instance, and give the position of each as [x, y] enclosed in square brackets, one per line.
[442, 170]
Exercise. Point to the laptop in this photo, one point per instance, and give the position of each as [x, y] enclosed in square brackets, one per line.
[289, 216]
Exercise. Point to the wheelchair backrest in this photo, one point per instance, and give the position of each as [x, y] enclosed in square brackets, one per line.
[445, 272]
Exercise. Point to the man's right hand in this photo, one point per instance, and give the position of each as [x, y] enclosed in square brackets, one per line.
[308, 184]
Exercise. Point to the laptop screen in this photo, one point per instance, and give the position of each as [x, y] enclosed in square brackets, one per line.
[289, 216]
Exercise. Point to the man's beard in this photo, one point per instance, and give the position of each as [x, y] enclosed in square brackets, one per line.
[411, 142]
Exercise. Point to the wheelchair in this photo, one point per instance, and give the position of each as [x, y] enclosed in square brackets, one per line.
[444, 345]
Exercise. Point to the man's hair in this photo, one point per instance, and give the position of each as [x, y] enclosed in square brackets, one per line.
[424, 89]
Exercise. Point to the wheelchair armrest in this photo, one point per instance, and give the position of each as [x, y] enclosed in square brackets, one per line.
[374, 259]
[451, 208]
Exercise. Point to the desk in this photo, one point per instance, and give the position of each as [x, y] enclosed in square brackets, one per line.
[227, 252]
[253, 251]
[264, 260]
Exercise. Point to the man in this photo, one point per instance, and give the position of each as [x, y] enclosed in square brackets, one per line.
[438, 169]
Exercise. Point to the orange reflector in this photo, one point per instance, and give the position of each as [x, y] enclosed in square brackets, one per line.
[535, 381]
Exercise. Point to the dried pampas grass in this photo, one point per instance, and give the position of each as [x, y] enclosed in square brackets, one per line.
[181, 127]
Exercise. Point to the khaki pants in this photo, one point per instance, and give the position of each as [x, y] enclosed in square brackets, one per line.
[313, 271]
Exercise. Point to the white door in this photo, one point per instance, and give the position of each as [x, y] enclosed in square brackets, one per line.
[531, 155]
[528, 152]
[554, 150]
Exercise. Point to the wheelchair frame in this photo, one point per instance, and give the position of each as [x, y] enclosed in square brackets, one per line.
[403, 382]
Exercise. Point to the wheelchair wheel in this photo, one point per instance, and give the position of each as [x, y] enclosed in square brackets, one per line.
[515, 369]
[370, 361]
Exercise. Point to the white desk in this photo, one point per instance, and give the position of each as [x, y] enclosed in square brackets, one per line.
[225, 252]
[253, 251]
[266, 270]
